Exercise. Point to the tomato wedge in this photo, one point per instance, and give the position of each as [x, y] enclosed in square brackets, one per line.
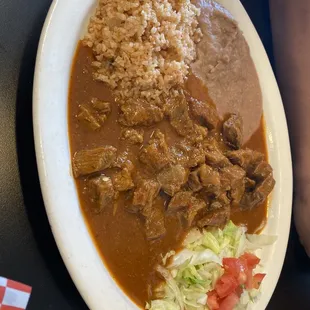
[212, 300]
[226, 285]
[229, 302]
[257, 280]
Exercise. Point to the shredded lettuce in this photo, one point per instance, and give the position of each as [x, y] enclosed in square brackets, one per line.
[194, 271]
[254, 242]
[194, 257]
[161, 304]
[172, 286]
[248, 299]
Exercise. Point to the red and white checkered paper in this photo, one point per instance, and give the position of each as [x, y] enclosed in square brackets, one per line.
[13, 295]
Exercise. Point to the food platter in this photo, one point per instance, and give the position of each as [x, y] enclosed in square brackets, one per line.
[53, 68]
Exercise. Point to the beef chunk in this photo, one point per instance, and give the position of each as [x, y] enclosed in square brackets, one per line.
[223, 199]
[145, 193]
[154, 221]
[259, 195]
[180, 201]
[172, 178]
[133, 136]
[205, 112]
[237, 193]
[93, 160]
[232, 180]
[253, 162]
[122, 162]
[261, 171]
[194, 181]
[188, 204]
[187, 154]
[86, 116]
[94, 115]
[177, 110]
[179, 153]
[259, 181]
[193, 210]
[216, 218]
[220, 201]
[138, 112]
[122, 180]
[156, 154]
[232, 131]
[196, 157]
[205, 177]
[215, 205]
[265, 187]
[249, 184]
[214, 157]
[102, 107]
[210, 178]
[101, 192]
[247, 159]
[232, 177]
[199, 134]
[250, 200]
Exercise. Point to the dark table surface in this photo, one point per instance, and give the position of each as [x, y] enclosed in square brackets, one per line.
[28, 252]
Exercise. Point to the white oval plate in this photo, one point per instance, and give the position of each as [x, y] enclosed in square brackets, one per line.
[62, 30]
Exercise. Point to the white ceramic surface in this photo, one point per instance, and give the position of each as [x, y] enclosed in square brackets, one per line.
[63, 28]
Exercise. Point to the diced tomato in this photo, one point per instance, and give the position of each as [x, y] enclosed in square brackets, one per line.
[238, 271]
[229, 302]
[236, 267]
[242, 278]
[257, 280]
[232, 266]
[226, 285]
[251, 260]
[212, 300]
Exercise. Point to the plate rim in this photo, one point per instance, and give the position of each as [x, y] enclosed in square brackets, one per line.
[43, 162]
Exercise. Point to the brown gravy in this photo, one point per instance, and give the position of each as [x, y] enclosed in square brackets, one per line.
[118, 234]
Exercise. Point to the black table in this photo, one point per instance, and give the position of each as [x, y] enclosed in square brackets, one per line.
[28, 252]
